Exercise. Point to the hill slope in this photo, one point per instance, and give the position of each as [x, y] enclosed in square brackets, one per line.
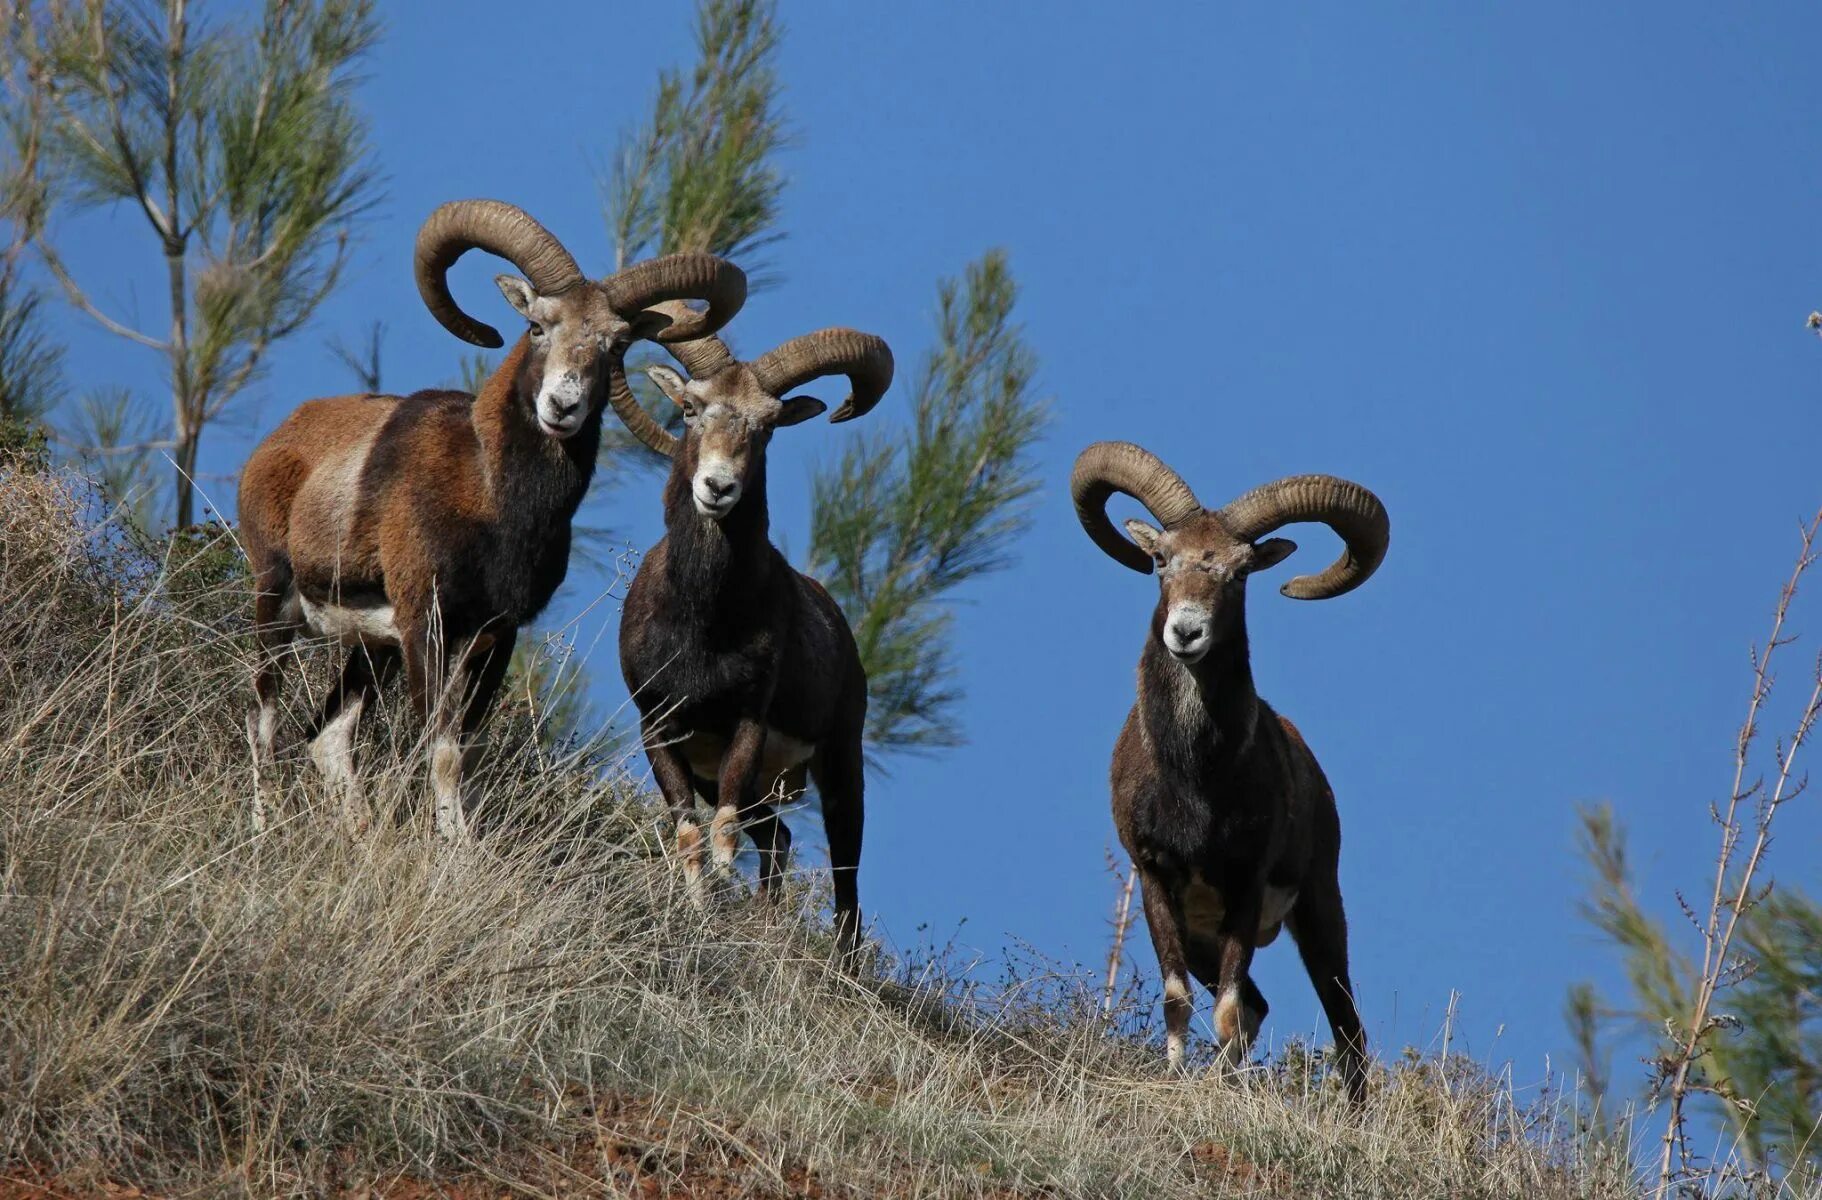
[187, 1008]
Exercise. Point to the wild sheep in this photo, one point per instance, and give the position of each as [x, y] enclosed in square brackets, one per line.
[1228, 820]
[744, 670]
[430, 527]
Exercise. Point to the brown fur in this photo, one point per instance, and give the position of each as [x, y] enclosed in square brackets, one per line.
[725, 648]
[449, 511]
[1223, 809]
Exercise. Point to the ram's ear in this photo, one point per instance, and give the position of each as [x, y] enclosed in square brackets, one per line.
[1144, 536]
[799, 409]
[1271, 552]
[518, 293]
[669, 382]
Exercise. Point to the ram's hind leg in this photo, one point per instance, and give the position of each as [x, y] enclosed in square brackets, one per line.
[771, 836]
[1319, 925]
[839, 770]
[275, 625]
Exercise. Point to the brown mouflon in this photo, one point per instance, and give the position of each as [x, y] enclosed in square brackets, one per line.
[744, 670]
[426, 529]
[1229, 822]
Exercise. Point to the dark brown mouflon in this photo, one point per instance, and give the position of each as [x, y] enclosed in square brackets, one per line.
[744, 670]
[1230, 823]
[426, 529]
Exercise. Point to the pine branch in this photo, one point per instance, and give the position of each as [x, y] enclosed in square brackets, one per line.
[699, 174]
[901, 522]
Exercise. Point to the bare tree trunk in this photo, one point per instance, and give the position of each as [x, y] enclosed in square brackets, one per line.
[187, 416]
[1122, 921]
[185, 458]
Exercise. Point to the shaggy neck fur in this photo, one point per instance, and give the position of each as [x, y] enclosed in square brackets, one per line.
[709, 564]
[534, 482]
[1200, 716]
[523, 465]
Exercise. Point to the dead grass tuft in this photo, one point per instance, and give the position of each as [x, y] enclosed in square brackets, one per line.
[186, 1007]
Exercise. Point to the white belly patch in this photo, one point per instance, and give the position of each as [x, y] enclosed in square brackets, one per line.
[351, 626]
[704, 751]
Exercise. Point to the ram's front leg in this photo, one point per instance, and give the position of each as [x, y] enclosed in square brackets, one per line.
[1239, 1006]
[1164, 918]
[672, 775]
[736, 790]
[438, 701]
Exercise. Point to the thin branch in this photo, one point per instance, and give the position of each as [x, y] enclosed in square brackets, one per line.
[80, 299]
[1718, 934]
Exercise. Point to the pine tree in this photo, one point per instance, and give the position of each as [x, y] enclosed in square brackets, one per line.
[240, 149]
[906, 517]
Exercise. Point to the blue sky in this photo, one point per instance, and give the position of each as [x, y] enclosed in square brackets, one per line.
[1537, 276]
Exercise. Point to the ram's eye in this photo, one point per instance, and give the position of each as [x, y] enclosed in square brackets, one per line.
[537, 330]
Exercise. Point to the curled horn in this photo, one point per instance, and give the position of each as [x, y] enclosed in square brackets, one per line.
[680, 277]
[1108, 467]
[865, 359]
[498, 228]
[632, 414]
[1347, 508]
[702, 357]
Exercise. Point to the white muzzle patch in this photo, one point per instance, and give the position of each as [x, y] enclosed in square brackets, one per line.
[560, 408]
[716, 488]
[1188, 632]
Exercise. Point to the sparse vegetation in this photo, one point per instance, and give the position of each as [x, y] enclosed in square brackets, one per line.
[185, 1007]
[1734, 1026]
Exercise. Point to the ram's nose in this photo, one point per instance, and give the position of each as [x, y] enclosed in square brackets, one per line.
[716, 494]
[1187, 637]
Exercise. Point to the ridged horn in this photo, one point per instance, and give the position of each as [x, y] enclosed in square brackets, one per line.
[865, 359]
[632, 414]
[702, 357]
[498, 228]
[1347, 508]
[680, 277]
[1108, 467]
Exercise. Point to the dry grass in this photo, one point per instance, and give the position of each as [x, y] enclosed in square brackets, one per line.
[191, 1009]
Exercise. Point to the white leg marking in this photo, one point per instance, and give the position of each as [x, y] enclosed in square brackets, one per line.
[1238, 1025]
[689, 847]
[268, 726]
[446, 780]
[724, 836]
[259, 734]
[333, 752]
[1176, 992]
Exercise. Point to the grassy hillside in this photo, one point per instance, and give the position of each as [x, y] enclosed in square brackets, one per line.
[188, 1009]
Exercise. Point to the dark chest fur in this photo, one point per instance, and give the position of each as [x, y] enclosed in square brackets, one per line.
[707, 615]
[503, 569]
[1214, 791]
